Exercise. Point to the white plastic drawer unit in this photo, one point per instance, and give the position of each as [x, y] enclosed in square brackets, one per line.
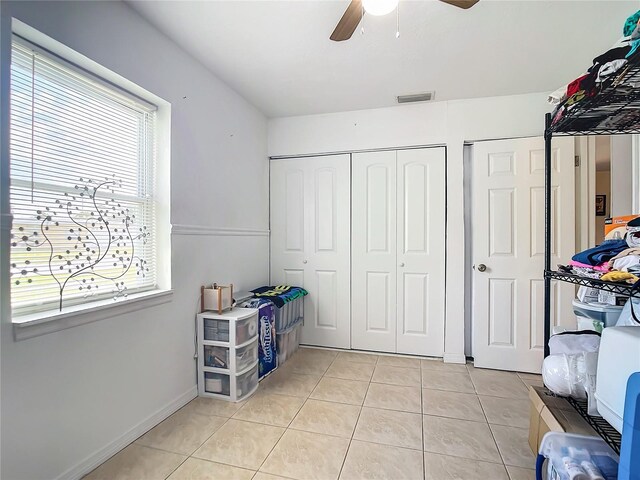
[228, 354]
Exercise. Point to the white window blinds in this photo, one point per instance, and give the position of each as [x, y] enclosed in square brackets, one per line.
[82, 186]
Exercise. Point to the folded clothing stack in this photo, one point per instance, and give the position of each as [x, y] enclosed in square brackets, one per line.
[608, 67]
[615, 260]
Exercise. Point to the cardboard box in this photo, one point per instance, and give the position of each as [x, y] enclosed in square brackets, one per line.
[552, 414]
[616, 227]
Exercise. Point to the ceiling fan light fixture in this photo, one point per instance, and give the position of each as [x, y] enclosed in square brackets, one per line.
[379, 7]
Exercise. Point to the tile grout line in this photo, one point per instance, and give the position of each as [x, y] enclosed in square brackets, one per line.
[306, 398]
[344, 460]
[361, 407]
[495, 442]
[199, 446]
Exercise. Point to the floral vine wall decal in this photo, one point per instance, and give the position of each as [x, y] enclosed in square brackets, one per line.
[88, 235]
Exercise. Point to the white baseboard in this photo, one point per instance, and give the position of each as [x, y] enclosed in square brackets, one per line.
[100, 456]
[454, 358]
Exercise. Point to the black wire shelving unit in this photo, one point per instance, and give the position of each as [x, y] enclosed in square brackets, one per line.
[614, 109]
[599, 424]
[617, 288]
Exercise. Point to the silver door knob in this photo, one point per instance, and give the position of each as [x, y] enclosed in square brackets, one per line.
[402, 264]
[304, 261]
[482, 267]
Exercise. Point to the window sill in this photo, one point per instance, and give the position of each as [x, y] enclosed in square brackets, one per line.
[42, 323]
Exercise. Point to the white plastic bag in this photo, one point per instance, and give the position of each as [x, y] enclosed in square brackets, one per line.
[571, 342]
[572, 376]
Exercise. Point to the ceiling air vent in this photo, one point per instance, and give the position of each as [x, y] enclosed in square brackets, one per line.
[416, 97]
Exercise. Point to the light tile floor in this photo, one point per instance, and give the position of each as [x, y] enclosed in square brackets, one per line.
[330, 415]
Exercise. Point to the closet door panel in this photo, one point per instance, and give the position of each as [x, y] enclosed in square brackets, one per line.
[287, 212]
[421, 250]
[373, 247]
[292, 276]
[327, 251]
[325, 202]
[415, 303]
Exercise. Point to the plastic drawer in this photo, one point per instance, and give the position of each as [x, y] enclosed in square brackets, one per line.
[247, 382]
[216, 330]
[247, 355]
[246, 329]
[217, 383]
[217, 357]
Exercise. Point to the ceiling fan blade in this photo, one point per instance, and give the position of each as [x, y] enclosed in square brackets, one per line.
[349, 22]
[461, 3]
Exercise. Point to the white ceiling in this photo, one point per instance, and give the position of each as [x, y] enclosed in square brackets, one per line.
[278, 55]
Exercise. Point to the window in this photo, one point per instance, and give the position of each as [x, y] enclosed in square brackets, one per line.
[82, 186]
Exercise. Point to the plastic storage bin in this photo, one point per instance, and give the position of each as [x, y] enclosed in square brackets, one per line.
[216, 330]
[217, 383]
[217, 357]
[287, 343]
[290, 314]
[572, 456]
[595, 316]
[247, 382]
[246, 329]
[246, 356]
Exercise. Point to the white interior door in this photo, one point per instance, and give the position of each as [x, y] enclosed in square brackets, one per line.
[287, 219]
[310, 241]
[373, 247]
[420, 255]
[508, 239]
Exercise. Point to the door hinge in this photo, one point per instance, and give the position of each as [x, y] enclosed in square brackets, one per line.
[577, 160]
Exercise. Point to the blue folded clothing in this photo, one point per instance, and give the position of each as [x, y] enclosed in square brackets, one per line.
[602, 253]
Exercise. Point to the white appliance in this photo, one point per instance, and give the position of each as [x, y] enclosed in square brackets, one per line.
[619, 358]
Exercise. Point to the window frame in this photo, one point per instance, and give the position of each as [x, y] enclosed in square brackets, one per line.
[39, 323]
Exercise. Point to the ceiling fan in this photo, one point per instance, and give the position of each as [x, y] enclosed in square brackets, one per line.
[353, 15]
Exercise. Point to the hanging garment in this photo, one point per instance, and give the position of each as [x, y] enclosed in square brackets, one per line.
[602, 253]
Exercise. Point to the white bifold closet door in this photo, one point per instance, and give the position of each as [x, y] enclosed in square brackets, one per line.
[310, 246]
[398, 247]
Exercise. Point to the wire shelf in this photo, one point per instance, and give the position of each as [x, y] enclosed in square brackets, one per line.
[599, 424]
[614, 109]
[618, 288]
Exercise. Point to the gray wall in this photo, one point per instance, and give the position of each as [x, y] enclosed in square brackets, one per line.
[71, 397]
